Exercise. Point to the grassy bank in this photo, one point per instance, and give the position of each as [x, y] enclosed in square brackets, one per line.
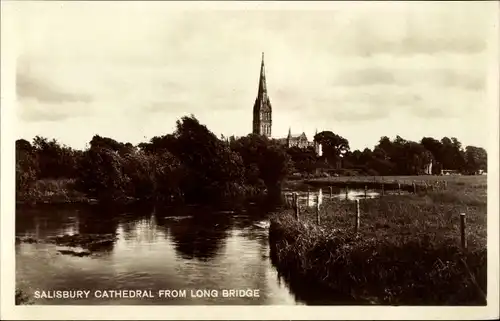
[392, 181]
[64, 191]
[425, 184]
[407, 250]
[52, 191]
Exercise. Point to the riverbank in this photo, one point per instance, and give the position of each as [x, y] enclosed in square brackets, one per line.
[53, 191]
[64, 191]
[407, 250]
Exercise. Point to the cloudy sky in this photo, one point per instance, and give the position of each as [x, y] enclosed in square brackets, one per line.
[129, 70]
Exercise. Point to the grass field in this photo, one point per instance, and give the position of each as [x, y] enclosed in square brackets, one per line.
[465, 179]
[460, 180]
[407, 250]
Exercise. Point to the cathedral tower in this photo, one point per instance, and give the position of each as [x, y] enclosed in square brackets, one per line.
[262, 111]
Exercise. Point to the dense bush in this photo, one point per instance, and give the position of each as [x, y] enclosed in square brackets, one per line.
[101, 175]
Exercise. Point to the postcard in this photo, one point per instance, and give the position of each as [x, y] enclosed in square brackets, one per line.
[248, 160]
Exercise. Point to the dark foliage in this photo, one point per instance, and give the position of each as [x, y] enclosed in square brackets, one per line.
[191, 165]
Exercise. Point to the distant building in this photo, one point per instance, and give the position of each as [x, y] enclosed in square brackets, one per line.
[300, 141]
[262, 118]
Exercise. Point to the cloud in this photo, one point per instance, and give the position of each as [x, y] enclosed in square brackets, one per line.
[44, 91]
[34, 110]
[40, 99]
[370, 76]
[431, 112]
[401, 76]
[359, 115]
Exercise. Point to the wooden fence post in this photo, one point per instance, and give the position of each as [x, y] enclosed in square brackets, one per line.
[317, 210]
[414, 187]
[296, 205]
[356, 224]
[383, 191]
[463, 237]
[331, 192]
[366, 191]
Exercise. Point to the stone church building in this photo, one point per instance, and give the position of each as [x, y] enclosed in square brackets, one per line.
[262, 118]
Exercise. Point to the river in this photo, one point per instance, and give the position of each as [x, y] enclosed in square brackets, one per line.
[172, 248]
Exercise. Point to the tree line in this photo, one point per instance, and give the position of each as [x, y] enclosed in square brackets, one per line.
[193, 165]
[402, 157]
[190, 165]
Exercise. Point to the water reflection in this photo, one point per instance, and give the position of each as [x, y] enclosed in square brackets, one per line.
[198, 237]
[309, 197]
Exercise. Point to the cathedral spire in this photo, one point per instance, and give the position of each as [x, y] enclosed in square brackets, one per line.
[262, 110]
[262, 79]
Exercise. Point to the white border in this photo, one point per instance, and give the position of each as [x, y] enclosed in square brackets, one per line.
[10, 311]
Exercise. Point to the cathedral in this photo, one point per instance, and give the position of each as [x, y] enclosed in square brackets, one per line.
[262, 118]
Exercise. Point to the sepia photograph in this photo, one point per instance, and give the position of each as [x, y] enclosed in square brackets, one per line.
[339, 155]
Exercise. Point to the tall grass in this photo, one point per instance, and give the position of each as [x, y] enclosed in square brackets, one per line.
[51, 191]
[407, 251]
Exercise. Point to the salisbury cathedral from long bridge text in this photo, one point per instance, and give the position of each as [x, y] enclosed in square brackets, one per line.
[262, 118]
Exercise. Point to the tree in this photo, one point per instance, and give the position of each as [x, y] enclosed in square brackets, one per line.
[265, 160]
[140, 175]
[304, 159]
[159, 144]
[453, 156]
[111, 144]
[435, 147]
[476, 159]
[212, 169]
[168, 176]
[333, 146]
[55, 160]
[27, 170]
[101, 175]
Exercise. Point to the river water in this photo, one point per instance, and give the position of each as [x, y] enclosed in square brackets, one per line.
[183, 248]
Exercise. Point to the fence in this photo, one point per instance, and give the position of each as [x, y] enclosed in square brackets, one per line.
[292, 201]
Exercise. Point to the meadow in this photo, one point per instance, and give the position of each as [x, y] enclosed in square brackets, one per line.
[407, 250]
